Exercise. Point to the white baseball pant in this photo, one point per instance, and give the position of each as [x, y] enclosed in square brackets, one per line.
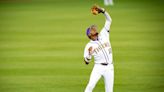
[107, 71]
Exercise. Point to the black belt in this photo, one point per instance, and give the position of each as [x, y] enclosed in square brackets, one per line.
[104, 63]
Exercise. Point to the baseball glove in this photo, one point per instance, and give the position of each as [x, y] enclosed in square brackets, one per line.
[96, 10]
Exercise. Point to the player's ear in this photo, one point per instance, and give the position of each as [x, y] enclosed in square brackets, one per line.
[89, 36]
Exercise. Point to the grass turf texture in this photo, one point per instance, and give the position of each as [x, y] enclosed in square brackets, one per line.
[42, 42]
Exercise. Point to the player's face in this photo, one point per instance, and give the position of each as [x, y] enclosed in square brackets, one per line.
[93, 34]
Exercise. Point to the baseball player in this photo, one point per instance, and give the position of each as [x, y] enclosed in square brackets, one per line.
[108, 2]
[100, 48]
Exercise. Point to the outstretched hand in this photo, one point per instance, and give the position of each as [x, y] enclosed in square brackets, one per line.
[96, 10]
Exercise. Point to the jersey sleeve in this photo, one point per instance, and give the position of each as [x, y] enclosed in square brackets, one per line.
[87, 57]
[105, 30]
[108, 21]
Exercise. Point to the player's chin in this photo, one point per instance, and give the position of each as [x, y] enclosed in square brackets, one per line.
[95, 38]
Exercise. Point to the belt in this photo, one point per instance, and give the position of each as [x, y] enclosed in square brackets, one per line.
[104, 63]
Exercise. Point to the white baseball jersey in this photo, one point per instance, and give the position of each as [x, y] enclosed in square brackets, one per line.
[101, 48]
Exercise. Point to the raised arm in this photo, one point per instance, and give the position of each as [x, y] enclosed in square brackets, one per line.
[96, 10]
[108, 20]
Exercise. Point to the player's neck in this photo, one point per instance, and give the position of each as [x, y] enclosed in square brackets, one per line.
[95, 39]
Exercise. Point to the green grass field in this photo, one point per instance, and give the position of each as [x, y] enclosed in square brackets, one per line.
[42, 42]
